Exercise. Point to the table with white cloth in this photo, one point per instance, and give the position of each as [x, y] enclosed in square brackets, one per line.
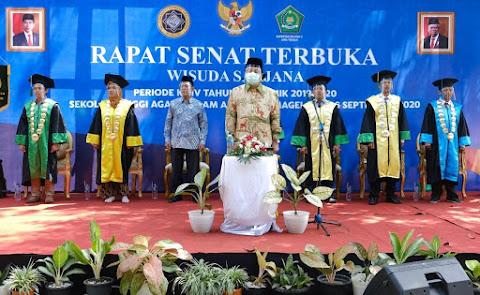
[242, 187]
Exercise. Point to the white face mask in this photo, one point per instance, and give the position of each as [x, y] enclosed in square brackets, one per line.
[252, 78]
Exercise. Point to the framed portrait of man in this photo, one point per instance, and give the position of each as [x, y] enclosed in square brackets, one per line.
[436, 33]
[25, 29]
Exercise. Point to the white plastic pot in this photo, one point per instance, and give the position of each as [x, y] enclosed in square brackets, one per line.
[201, 223]
[296, 223]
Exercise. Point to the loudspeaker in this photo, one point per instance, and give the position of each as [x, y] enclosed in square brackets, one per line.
[434, 277]
[3, 182]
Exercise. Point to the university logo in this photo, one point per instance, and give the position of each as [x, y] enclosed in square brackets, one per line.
[289, 20]
[173, 21]
[235, 17]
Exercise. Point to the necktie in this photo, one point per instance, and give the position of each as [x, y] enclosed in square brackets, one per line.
[447, 105]
[432, 42]
[30, 40]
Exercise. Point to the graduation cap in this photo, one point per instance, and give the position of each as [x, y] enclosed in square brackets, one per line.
[385, 74]
[255, 62]
[187, 79]
[433, 21]
[319, 80]
[28, 16]
[45, 81]
[442, 83]
[117, 79]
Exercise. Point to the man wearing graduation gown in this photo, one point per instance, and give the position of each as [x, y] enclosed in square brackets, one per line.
[113, 133]
[310, 135]
[384, 129]
[40, 132]
[444, 133]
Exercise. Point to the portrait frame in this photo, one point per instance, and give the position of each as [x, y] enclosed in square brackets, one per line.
[14, 25]
[447, 29]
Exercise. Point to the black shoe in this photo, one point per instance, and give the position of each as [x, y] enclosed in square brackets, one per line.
[434, 200]
[393, 199]
[454, 200]
[332, 200]
[175, 198]
[373, 200]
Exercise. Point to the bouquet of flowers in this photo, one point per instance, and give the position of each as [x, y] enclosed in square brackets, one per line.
[248, 148]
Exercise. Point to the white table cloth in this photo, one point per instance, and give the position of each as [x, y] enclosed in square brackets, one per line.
[242, 189]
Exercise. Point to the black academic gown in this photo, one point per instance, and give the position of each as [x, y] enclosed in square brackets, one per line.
[302, 129]
[57, 125]
[369, 126]
[131, 129]
[429, 126]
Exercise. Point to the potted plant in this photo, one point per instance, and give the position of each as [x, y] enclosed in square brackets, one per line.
[24, 280]
[58, 268]
[94, 257]
[291, 278]
[233, 280]
[372, 263]
[267, 270]
[401, 249]
[296, 221]
[473, 273]
[199, 277]
[142, 268]
[433, 250]
[200, 220]
[3, 275]
[331, 281]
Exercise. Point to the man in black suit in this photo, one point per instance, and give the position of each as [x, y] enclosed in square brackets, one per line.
[27, 37]
[435, 40]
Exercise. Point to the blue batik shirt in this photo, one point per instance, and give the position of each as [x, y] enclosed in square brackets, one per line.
[186, 125]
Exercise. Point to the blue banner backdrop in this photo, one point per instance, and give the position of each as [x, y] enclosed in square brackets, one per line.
[153, 43]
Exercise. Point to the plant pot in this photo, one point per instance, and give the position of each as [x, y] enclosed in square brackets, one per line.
[341, 286]
[201, 223]
[235, 292]
[4, 290]
[359, 287]
[281, 291]
[250, 290]
[22, 293]
[65, 289]
[103, 287]
[476, 291]
[296, 223]
[144, 290]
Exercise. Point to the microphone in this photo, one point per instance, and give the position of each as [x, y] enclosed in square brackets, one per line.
[311, 96]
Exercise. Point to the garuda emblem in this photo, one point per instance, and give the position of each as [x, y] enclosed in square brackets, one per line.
[235, 17]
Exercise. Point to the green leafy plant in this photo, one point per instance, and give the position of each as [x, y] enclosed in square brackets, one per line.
[401, 249]
[267, 270]
[233, 278]
[58, 266]
[433, 249]
[24, 279]
[312, 257]
[473, 271]
[4, 274]
[139, 264]
[199, 277]
[275, 197]
[93, 256]
[372, 261]
[291, 276]
[195, 189]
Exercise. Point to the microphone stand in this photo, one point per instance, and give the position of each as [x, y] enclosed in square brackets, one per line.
[317, 219]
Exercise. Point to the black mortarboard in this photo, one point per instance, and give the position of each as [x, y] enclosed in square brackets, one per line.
[385, 74]
[433, 21]
[27, 16]
[442, 83]
[117, 79]
[319, 80]
[45, 81]
[187, 79]
[255, 61]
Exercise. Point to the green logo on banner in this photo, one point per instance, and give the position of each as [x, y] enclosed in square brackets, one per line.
[289, 20]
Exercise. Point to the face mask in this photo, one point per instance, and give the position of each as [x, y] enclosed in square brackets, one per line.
[252, 78]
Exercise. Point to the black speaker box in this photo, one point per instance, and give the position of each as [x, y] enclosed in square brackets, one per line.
[426, 277]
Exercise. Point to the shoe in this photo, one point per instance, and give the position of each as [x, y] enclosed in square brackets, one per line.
[394, 199]
[125, 200]
[332, 200]
[175, 199]
[434, 200]
[110, 199]
[33, 199]
[49, 199]
[455, 200]
[373, 200]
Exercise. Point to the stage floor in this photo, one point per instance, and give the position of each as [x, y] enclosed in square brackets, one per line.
[40, 228]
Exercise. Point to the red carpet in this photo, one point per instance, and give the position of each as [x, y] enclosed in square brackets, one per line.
[39, 228]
